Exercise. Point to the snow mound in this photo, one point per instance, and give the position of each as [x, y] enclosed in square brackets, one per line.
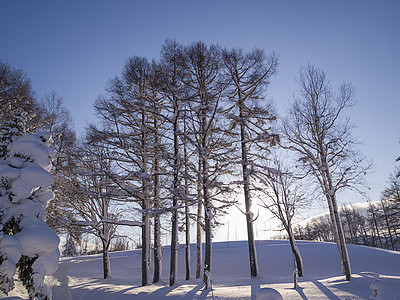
[35, 146]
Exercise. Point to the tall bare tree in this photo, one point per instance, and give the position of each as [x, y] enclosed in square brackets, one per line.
[318, 131]
[172, 91]
[248, 75]
[56, 119]
[203, 78]
[128, 120]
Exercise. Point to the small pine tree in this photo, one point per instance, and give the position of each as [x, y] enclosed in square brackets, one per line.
[69, 248]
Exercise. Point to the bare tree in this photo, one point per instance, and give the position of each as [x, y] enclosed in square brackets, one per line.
[391, 198]
[248, 75]
[285, 195]
[172, 90]
[127, 133]
[16, 94]
[56, 119]
[372, 215]
[203, 79]
[95, 193]
[321, 136]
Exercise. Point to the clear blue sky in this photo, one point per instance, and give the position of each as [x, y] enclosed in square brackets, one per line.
[74, 47]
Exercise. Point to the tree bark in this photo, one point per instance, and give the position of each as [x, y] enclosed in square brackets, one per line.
[199, 245]
[174, 235]
[175, 195]
[106, 259]
[207, 224]
[341, 242]
[187, 218]
[247, 199]
[187, 246]
[295, 251]
[199, 231]
[157, 249]
[145, 245]
[157, 221]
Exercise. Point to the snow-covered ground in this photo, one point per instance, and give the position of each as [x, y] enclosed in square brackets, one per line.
[81, 277]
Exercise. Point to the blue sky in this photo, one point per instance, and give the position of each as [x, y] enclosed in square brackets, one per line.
[74, 47]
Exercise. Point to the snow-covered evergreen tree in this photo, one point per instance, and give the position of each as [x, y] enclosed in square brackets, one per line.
[9, 131]
[27, 245]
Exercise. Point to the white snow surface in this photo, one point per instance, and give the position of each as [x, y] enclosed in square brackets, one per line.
[376, 275]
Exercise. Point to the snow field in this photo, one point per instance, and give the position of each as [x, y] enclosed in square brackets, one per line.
[81, 277]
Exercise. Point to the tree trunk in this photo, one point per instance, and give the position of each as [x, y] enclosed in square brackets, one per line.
[187, 218]
[175, 195]
[341, 242]
[247, 200]
[337, 227]
[174, 236]
[208, 228]
[157, 249]
[145, 245]
[296, 252]
[208, 241]
[187, 246]
[106, 259]
[157, 221]
[149, 248]
[145, 205]
[187, 203]
[199, 245]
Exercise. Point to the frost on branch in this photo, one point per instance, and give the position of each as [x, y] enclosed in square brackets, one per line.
[27, 245]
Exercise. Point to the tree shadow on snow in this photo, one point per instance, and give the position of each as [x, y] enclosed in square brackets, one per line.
[360, 284]
[164, 291]
[258, 293]
[83, 291]
[255, 286]
[325, 290]
[299, 289]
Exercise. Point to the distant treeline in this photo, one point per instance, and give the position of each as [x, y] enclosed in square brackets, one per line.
[377, 225]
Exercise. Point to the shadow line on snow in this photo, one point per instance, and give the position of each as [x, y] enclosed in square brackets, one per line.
[255, 286]
[193, 292]
[299, 289]
[105, 287]
[325, 290]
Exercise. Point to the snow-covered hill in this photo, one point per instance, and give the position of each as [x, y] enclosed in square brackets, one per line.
[81, 278]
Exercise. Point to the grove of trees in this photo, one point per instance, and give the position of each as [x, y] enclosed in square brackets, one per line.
[178, 140]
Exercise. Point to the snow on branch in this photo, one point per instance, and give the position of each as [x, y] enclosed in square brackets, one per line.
[108, 221]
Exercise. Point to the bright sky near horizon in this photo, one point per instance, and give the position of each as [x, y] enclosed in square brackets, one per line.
[74, 47]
